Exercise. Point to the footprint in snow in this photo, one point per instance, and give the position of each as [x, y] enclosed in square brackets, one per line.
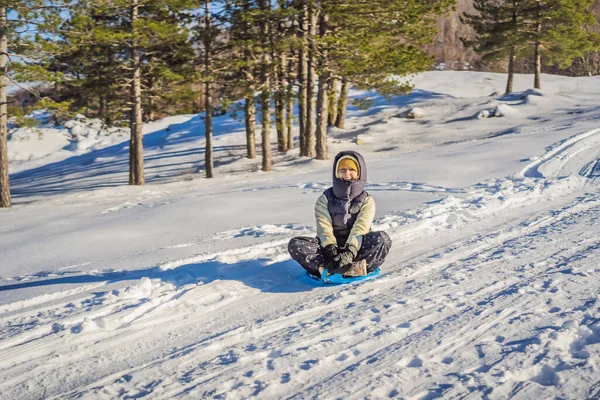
[415, 363]
[307, 365]
[447, 360]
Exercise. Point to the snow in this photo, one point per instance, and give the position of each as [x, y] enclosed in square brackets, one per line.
[46, 144]
[183, 288]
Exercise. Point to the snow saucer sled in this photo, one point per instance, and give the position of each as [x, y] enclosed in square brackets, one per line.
[337, 279]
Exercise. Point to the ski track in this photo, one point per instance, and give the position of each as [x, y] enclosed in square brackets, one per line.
[511, 313]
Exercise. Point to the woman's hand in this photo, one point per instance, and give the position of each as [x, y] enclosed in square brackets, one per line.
[346, 255]
[330, 253]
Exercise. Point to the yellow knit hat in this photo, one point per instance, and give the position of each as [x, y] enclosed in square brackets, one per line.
[348, 162]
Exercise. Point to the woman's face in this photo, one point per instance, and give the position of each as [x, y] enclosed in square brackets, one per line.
[347, 174]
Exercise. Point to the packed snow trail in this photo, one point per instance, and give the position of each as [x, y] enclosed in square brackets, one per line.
[510, 311]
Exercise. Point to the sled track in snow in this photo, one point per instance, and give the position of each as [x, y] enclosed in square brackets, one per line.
[569, 157]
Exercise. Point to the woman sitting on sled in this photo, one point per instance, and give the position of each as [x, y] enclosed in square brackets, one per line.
[344, 244]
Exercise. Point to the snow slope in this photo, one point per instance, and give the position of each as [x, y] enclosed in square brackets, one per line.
[183, 288]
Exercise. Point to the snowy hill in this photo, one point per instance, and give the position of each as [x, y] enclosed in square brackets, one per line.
[183, 288]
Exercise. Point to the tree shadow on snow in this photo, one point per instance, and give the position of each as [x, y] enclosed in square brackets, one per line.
[109, 166]
[280, 277]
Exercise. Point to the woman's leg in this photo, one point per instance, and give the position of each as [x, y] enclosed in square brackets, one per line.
[375, 247]
[307, 252]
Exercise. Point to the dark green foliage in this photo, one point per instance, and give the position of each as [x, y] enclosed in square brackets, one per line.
[371, 40]
[564, 33]
[560, 28]
[501, 27]
[85, 52]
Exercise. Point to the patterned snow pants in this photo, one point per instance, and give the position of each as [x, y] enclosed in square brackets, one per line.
[307, 251]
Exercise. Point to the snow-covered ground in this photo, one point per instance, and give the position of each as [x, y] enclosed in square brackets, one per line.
[183, 288]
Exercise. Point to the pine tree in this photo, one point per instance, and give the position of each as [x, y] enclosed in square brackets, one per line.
[82, 68]
[366, 42]
[143, 36]
[242, 33]
[558, 31]
[28, 14]
[206, 34]
[500, 26]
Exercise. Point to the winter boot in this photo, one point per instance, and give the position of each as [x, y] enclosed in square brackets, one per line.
[357, 268]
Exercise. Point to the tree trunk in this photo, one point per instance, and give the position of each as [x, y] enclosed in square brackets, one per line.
[303, 79]
[280, 78]
[322, 102]
[280, 86]
[289, 101]
[511, 70]
[250, 112]
[107, 118]
[342, 104]
[136, 147]
[537, 80]
[333, 100]
[208, 106]
[208, 132]
[537, 84]
[4, 179]
[266, 122]
[198, 103]
[265, 93]
[250, 104]
[101, 108]
[150, 115]
[511, 55]
[310, 82]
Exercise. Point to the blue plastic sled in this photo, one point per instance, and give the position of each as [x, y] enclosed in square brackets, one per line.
[337, 279]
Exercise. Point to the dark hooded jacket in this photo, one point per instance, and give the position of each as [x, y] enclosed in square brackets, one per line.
[345, 211]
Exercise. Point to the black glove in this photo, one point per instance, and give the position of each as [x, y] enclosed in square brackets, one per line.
[330, 252]
[346, 255]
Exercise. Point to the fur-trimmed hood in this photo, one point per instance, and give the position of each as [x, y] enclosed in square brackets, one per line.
[348, 190]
